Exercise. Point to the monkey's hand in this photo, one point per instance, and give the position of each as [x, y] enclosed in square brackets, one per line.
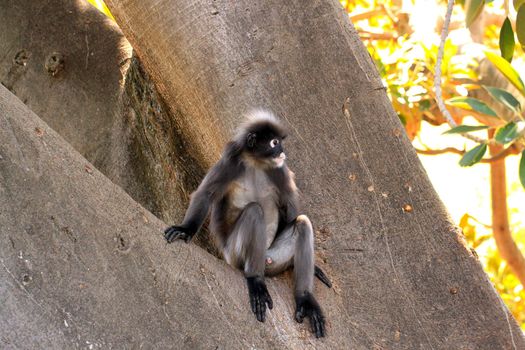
[178, 232]
[259, 297]
[306, 305]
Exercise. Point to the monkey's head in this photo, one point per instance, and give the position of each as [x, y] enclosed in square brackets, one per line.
[263, 137]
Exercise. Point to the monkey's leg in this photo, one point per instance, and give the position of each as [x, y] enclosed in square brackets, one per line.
[281, 253]
[246, 248]
[296, 245]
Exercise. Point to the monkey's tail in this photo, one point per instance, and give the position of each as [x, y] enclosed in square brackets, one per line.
[322, 276]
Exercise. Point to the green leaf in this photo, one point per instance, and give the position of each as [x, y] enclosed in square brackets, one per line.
[472, 10]
[506, 69]
[507, 133]
[472, 104]
[473, 156]
[402, 118]
[424, 105]
[505, 97]
[506, 40]
[517, 4]
[465, 128]
[522, 169]
[520, 25]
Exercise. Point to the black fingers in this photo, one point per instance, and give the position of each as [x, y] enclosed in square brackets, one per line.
[299, 314]
[177, 232]
[317, 323]
[307, 306]
[269, 300]
[259, 297]
[322, 276]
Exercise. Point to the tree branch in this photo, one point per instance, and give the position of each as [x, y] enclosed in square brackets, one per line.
[437, 78]
[366, 15]
[501, 155]
[500, 219]
[363, 34]
[434, 152]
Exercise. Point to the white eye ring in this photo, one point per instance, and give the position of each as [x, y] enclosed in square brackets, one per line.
[274, 143]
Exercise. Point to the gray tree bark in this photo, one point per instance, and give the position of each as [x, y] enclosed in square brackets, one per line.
[404, 277]
[77, 97]
[83, 264]
[99, 98]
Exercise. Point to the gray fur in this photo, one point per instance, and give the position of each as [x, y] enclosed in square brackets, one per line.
[252, 203]
[255, 186]
[245, 247]
[294, 246]
[304, 256]
[254, 216]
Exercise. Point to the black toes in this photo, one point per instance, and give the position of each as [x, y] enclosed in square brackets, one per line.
[186, 238]
[258, 307]
[322, 276]
[299, 314]
[307, 306]
[259, 297]
[177, 232]
[317, 325]
[170, 233]
[261, 310]
[269, 301]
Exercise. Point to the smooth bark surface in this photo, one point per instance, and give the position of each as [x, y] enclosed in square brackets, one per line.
[404, 277]
[99, 99]
[79, 96]
[84, 266]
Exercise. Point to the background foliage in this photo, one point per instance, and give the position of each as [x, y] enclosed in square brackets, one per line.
[402, 37]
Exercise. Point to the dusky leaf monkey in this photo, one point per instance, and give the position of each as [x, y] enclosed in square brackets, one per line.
[255, 219]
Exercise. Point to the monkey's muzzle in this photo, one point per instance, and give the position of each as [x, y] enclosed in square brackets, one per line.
[279, 160]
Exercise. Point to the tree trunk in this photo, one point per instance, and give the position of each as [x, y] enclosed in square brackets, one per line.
[77, 97]
[403, 276]
[83, 264]
[100, 99]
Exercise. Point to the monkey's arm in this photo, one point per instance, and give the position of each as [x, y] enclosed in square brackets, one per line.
[212, 187]
[195, 216]
[292, 209]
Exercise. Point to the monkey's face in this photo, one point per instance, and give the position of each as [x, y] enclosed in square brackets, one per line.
[266, 147]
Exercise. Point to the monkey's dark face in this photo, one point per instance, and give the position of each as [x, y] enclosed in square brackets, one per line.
[264, 143]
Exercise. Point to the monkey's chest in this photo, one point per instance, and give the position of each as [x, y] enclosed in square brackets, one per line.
[256, 188]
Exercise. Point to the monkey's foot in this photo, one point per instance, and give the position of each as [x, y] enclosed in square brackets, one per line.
[259, 297]
[177, 232]
[307, 306]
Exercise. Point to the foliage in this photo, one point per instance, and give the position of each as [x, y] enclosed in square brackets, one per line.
[505, 282]
[522, 169]
[405, 62]
[474, 155]
[506, 40]
[101, 6]
[405, 59]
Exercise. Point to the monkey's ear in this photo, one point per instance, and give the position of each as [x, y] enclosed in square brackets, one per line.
[250, 139]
